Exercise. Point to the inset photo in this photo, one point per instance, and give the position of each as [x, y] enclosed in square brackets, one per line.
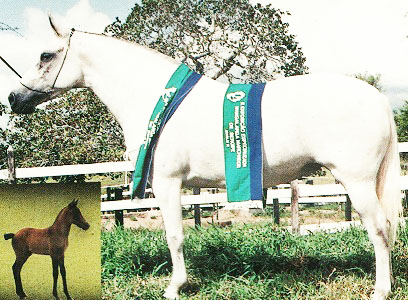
[50, 241]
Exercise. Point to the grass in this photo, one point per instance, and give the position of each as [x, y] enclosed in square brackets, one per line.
[248, 262]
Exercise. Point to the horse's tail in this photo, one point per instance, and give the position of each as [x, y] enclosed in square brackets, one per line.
[8, 236]
[388, 186]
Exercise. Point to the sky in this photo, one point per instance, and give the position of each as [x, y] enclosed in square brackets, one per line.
[347, 37]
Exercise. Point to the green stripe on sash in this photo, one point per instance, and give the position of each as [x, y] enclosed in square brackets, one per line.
[243, 141]
[182, 80]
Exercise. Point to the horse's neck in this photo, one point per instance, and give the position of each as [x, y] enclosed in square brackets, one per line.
[128, 79]
[60, 224]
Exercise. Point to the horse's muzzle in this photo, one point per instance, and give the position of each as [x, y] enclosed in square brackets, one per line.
[85, 226]
[20, 104]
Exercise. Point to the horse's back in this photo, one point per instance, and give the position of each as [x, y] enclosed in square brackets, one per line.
[327, 117]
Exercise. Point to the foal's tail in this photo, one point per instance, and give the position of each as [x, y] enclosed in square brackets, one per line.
[388, 186]
[8, 236]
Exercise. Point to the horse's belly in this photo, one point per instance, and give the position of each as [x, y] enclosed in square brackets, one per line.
[197, 157]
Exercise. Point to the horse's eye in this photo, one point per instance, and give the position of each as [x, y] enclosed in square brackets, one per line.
[46, 56]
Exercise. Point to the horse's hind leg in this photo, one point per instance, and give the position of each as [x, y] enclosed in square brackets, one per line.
[167, 191]
[17, 266]
[365, 201]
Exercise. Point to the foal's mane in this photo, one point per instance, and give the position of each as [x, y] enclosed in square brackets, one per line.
[60, 214]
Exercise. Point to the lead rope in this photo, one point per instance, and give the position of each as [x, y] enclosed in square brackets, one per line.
[10, 67]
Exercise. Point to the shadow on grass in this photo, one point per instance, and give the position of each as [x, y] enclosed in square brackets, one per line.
[236, 252]
[246, 251]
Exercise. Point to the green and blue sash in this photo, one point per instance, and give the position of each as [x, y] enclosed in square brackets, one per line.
[177, 88]
[243, 142]
[242, 129]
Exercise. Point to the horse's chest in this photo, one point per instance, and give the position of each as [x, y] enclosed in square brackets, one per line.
[191, 144]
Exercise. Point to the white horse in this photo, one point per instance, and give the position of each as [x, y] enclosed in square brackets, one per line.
[308, 121]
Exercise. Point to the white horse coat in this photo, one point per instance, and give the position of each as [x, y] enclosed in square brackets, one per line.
[308, 121]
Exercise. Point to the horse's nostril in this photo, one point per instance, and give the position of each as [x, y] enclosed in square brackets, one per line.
[11, 98]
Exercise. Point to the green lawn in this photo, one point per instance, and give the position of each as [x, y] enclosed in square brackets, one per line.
[248, 262]
[37, 206]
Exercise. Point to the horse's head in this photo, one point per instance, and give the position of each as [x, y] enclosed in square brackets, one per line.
[75, 215]
[57, 71]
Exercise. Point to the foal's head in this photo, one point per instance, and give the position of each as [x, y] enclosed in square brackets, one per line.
[74, 216]
[57, 71]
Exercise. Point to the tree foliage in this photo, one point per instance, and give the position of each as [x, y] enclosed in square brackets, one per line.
[76, 129]
[6, 27]
[373, 80]
[401, 119]
[229, 40]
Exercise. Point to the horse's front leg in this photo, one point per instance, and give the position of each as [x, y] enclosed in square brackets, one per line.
[167, 191]
[64, 278]
[55, 277]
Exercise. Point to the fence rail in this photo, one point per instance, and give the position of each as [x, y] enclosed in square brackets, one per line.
[326, 193]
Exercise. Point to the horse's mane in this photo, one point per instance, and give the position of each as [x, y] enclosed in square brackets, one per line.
[121, 41]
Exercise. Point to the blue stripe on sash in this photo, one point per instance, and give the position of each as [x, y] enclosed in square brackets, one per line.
[254, 125]
[181, 94]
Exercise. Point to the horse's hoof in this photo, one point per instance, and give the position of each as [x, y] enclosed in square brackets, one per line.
[379, 295]
[171, 295]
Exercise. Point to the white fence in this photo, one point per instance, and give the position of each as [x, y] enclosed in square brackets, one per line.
[307, 193]
[120, 166]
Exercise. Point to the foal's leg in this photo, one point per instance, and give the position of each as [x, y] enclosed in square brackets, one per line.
[64, 278]
[366, 203]
[18, 264]
[55, 277]
[58, 263]
[167, 191]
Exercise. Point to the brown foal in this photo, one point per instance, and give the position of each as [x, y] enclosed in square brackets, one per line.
[51, 241]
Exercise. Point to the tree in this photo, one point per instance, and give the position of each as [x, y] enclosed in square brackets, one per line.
[76, 129]
[401, 119]
[5, 27]
[230, 40]
[373, 80]
[3, 141]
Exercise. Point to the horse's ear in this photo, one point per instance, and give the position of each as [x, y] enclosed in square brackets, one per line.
[57, 32]
[73, 203]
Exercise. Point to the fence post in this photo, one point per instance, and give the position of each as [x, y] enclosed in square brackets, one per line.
[264, 198]
[197, 210]
[118, 213]
[406, 199]
[108, 194]
[11, 165]
[294, 186]
[276, 213]
[347, 208]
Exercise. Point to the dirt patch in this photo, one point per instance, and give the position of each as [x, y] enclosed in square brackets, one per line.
[152, 219]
